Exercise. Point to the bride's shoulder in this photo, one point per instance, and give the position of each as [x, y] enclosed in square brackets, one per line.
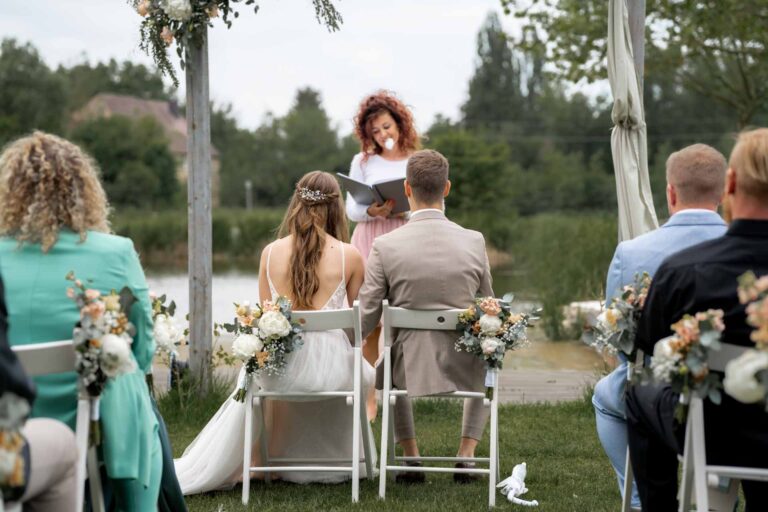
[353, 256]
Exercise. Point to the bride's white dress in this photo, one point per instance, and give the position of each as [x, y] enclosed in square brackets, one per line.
[305, 429]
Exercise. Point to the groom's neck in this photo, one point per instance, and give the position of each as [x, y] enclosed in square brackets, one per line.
[416, 206]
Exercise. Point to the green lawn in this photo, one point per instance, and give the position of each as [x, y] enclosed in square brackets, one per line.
[567, 470]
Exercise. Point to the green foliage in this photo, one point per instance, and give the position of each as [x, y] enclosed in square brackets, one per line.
[137, 167]
[84, 81]
[31, 96]
[716, 48]
[563, 258]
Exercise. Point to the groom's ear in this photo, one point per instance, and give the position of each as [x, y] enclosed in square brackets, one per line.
[408, 191]
[447, 188]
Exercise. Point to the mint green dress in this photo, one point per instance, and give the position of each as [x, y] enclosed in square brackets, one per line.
[39, 310]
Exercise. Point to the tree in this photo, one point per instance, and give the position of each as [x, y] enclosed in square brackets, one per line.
[715, 47]
[85, 81]
[137, 167]
[31, 96]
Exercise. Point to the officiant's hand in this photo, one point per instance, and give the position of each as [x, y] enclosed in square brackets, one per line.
[381, 209]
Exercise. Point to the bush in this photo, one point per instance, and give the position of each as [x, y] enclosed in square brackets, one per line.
[563, 258]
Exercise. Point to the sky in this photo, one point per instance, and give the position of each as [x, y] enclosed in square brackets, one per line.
[424, 50]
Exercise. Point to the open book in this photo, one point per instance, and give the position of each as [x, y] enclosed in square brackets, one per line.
[378, 192]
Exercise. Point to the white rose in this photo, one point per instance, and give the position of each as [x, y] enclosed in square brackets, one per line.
[664, 360]
[115, 356]
[740, 381]
[490, 324]
[166, 333]
[245, 346]
[274, 325]
[489, 345]
[179, 10]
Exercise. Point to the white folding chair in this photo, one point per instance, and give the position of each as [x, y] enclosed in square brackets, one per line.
[445, 320]
[59, 357]
[316, 321]
[699, 475]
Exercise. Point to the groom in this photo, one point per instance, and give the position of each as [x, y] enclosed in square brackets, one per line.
[430, 263]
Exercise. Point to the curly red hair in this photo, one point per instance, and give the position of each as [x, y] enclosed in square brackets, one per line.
[379, 103]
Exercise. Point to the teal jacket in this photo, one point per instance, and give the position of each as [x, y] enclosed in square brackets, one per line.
[39, 310]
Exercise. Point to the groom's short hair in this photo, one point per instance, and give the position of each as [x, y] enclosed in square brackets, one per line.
[698, 174]
[427, 173]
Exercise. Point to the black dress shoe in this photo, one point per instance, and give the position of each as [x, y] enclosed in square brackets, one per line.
[411, 477]
[465, 478]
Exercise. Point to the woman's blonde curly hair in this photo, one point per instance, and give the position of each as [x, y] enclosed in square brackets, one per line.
[46, 184]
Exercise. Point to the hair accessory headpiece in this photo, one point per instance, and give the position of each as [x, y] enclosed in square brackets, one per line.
[312, 196]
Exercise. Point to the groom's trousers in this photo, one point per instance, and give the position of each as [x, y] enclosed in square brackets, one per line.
[472, 424]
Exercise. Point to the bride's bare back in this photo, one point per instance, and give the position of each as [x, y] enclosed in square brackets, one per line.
[328, 271]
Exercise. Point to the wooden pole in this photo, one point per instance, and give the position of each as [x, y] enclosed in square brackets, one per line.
[199, 210]
[636, 12]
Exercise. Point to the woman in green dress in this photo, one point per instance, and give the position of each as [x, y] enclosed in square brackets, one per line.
[53, 219]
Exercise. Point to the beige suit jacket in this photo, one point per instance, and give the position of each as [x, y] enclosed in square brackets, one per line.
[430, 263]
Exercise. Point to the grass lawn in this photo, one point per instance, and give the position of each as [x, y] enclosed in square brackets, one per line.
[567, 470]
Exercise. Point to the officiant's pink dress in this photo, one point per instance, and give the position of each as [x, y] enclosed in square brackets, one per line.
[373, 169]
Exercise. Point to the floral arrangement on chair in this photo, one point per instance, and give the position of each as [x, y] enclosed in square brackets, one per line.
[102, 340]
[165, 331]
[615, 328]
[746, 377]
[681, 359]
[14, 411]
[490, 329]
[264, 337]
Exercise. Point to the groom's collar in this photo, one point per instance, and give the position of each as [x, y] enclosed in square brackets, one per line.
[427, 213]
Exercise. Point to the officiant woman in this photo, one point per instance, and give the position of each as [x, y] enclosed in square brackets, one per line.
[384, 126]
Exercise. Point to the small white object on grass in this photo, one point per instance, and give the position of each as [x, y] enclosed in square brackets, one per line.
[514, 486]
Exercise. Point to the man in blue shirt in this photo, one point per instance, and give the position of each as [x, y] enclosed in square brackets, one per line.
[695, 181]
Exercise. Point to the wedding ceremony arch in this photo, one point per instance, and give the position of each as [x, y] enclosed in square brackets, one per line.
[187, 22]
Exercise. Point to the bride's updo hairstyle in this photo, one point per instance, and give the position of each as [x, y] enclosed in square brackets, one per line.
[316, 208]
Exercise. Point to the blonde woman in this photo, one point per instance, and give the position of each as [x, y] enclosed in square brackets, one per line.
[53, 219]
[311, 264]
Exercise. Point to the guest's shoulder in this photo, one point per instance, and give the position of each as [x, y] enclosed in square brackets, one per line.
[107, 242]
[704, 252]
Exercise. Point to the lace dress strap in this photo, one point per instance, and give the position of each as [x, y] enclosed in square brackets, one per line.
[272, 289]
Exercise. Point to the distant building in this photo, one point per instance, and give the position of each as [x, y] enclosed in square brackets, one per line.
[166, 113]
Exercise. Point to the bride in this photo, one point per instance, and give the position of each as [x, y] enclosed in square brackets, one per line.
[312, 265]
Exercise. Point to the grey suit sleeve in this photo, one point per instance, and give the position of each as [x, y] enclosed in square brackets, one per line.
[373, 291]
[486, 286]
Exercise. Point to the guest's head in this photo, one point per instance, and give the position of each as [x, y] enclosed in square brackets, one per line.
[316, 208]
[695, 178]
[746, 188]
[380, 116]
[48, 184]
[426, 179]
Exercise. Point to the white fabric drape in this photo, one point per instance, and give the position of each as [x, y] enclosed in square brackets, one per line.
[628, 138]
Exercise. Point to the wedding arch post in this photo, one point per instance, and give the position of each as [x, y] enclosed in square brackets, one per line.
[199, 228]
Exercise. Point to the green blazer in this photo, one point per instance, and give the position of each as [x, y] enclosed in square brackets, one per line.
[39, 310]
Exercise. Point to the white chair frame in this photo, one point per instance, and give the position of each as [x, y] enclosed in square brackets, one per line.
[316, 321]
[445, 320]
[697, 474]
[59, 357]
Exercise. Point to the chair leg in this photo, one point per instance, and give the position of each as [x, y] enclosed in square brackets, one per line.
[81, 436]
[357, 404]
[247, 447]
[94, 478]
[385, 424]
[686, 482]
[368, 448]
[699, 455]
[629, 477]
[493, 459]
[263, 441]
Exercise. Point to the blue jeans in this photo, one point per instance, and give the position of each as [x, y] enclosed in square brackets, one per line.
[608, 400]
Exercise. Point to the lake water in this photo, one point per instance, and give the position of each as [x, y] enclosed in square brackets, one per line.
[238, 286]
